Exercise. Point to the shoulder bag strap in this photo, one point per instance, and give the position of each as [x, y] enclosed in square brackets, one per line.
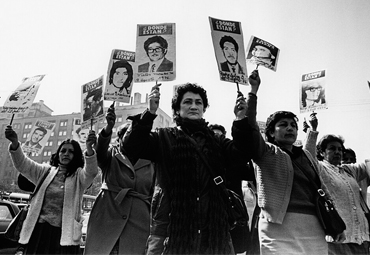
[39, 184]
[217, 179]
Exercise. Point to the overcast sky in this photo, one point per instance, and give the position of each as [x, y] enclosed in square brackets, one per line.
[71, 42]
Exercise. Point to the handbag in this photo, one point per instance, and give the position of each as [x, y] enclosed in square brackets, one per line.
[15, 227]
[329, 217]
[236, 209]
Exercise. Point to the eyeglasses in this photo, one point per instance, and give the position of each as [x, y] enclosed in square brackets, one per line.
[314, 89]
[159, 49]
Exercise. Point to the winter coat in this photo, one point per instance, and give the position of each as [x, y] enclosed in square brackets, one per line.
[121, 210]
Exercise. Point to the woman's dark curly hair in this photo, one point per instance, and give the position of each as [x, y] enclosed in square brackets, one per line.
[181, 90]
[273, 119]
[323, 144]
[77, 161]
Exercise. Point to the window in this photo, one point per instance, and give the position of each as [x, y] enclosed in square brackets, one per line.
[63, 123]
[119, 119]
[52, 133]
[16, 126]
[25, 135]
[59, 142]
[62, 133]
[28, 126]
[49, 143]
[47, 153]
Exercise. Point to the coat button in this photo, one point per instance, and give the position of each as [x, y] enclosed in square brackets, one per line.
[124, 217]
[132, 177]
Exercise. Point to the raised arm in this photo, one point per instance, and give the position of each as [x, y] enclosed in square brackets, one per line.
[105, 135]
[258, 144]
[139, 141]
[312, 133]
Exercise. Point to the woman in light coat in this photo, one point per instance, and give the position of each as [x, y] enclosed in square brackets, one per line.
[54, 222]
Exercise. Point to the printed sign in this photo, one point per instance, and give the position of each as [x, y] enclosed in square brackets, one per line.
[312, 92]
[79, 134]
[22, 98]
[228, 44]
[38, 137]
[92, 109]
[262, 53]
[118, 86]
[155, 53]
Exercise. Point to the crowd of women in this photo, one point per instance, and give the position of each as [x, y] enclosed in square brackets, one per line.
[158, 195]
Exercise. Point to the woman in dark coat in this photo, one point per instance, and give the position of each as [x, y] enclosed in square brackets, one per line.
[189, 211]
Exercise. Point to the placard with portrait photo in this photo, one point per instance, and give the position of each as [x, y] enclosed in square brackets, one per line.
[92, 109]
[119, 83]
[228, 44]
[312, 95]
[262, 53]
[155, 58]
[38, 136]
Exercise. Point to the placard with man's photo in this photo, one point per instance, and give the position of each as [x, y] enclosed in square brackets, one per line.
[38, 136]
[262, 53]
[155, 58]
[92, 109]
[228, 44]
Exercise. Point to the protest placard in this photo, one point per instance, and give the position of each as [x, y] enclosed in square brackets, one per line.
[228, 43]
[92, 109]
[155, 53]
[38, 136]
[262, 53]
[312, 95]
[118, 86]
[22, 98]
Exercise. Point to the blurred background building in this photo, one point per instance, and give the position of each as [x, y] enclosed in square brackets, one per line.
[64, 129]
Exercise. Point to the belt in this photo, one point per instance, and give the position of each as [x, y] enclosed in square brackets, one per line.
[123, 192]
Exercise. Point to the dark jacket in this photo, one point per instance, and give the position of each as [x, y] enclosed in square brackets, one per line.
[165, 66]
[160, 147]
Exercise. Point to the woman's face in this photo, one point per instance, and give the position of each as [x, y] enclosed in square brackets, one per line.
[285, 132]
[333, 153]
[120, 76]
[66, 154]
[191, 106]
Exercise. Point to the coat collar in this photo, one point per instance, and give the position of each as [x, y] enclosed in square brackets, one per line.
[124, 159]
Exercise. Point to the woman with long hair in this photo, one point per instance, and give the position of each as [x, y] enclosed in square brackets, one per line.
[54, 222]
